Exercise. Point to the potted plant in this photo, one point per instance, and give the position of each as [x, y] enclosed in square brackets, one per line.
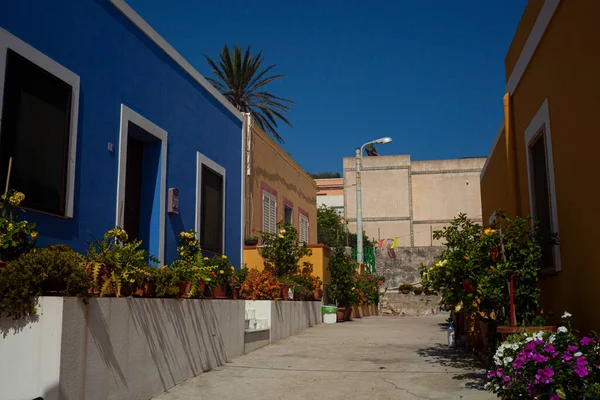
[251, 240]
[418, 291]
[405, 288]
[16, 237]
[118, 267]
[49, 271]
[260, 285]
[239, 277]
[283, 250]
[191, 273]
[223, 275]
[547, 365]
[343, 284]
[166, 283]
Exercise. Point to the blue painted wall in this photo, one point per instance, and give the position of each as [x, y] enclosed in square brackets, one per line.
[118, 65]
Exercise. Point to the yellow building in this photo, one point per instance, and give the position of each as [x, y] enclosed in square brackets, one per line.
[544, 160]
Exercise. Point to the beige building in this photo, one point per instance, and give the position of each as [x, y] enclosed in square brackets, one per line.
[409, 200]
[330, 193]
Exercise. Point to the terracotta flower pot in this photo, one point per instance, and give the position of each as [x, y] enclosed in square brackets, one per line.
[184, 289]
[506, 331]
[341, 311]
[251, 242]
[235, 293]
[347, 313]
[417, 292]
[317, 295]
[404, 291]
[284, 291]
[220, 292]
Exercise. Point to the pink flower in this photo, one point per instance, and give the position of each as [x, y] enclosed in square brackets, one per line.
[549, 348]
[585, 341]
[539, 358]
[544, 375]
[554, 396]
[572, 348]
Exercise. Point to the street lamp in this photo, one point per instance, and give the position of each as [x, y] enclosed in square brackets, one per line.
[359, 228]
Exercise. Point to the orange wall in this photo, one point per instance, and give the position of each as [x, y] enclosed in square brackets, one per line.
[523, 29]
[272, 167]
[564, 70]
[319, 259]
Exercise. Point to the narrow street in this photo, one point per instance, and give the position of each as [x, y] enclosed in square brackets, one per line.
[369, 358]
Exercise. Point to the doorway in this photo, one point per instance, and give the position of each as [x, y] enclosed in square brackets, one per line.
[141, 182]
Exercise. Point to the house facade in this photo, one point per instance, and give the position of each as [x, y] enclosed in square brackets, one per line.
[330, 193]
[543, 162]
[406, 200]
[277, 189]
[104, 124]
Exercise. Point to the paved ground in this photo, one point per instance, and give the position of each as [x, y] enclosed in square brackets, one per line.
[371, 358]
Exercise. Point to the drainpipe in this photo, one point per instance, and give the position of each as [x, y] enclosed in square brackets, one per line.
[511, 161]
[248, 200]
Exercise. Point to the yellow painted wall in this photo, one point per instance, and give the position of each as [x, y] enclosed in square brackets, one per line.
[525, 25]
[494, 195]
[564, 70]
[319, 259]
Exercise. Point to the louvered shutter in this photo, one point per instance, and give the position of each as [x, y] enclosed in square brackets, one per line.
[303, 228]
[273, 216]
[269, 213]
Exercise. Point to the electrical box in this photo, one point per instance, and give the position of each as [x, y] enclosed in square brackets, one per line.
[173, 201]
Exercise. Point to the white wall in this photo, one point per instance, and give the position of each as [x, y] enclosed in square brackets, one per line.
[30, 353]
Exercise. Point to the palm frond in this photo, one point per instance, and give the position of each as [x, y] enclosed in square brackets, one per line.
[238, 76]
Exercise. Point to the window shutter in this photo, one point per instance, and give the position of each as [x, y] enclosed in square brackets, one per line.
[273, 216]
[303, 229]
[269, 213]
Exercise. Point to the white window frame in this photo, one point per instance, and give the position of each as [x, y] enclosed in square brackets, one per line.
[271, 197]
[201, 160]
[540, 125]
[302, 216]
[128, 115]
[9, 41]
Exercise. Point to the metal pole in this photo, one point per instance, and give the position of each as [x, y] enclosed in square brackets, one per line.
[359, 227]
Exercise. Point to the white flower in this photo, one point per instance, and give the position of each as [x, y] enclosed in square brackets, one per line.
[551, 339]
[562, 329]
[508, 360]
[578, 354]
[566, 315]
[514, 346]
[280, 236]
[282, 231]
[530, 339]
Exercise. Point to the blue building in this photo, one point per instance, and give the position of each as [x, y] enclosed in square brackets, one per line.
[103, 122]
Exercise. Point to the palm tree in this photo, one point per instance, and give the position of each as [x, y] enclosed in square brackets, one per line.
[239, 79]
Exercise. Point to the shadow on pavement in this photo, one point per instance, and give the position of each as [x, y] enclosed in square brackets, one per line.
[458, 358]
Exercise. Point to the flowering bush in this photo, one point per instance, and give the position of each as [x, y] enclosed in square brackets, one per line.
[260, 286]
[16, 237]
[367, 289]
[546, 365]
[283, 250]
[223, 272]
[190, 267]
[472, 273]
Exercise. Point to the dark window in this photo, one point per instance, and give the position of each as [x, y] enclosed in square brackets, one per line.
[288, 215]
[211, 211]
[36, 116]
[541, 199]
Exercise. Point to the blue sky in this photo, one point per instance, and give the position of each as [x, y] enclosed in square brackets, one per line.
[429, 73]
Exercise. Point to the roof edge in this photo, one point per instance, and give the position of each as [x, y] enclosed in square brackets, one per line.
[145, 27]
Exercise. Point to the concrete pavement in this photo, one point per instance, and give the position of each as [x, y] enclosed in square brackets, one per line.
[369, 358]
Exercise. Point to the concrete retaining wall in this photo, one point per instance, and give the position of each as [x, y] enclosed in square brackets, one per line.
[289, 317]
[123, 348]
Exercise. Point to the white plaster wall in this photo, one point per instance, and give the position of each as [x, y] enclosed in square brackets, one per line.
[336, 200]
[130, 348]
[262, 309]
[30, 353]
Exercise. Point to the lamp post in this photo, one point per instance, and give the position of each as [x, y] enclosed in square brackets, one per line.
[359, 228]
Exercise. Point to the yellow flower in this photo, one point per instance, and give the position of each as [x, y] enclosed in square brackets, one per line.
[205, 258]
[467, 258]
[224, 257]
[458, 307]
[181, 254]
[34, 235]
[282, 231]
[489, 231]
[10, 226]
[221, 271]
[232, 268]
[16, 199]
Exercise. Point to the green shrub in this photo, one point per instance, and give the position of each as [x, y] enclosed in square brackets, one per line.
[55, 270]
[166, 282]
[343, 272]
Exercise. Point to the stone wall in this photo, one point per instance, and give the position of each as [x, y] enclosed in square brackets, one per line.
[401, 265]
[409, 304]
